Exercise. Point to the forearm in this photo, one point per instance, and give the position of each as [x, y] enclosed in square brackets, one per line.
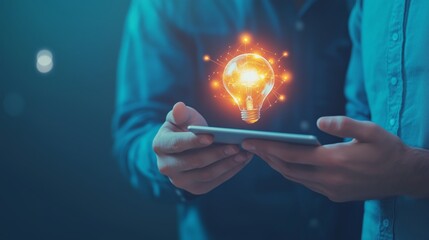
[139, 164]
[418, 172]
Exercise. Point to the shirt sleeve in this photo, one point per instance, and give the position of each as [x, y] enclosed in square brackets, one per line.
[357, 102]
[151, 78]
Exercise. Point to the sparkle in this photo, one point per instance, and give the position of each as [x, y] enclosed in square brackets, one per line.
[245, 38]
[206, 58]
[286, 77]
[215, 84]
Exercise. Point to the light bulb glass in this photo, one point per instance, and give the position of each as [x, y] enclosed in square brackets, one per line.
[249, 78]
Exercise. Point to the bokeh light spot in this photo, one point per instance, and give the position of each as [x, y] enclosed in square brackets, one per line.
[44, 61]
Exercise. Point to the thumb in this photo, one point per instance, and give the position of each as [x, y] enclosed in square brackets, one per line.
[182, 116]
[346, 127]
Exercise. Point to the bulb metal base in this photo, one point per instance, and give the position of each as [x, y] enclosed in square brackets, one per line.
[250, 116]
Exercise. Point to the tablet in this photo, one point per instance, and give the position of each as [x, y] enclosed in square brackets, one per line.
[237, 136]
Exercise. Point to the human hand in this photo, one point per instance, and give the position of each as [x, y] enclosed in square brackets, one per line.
[190, 161]
[372, 165]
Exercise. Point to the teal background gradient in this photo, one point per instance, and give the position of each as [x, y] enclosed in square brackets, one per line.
[58, 177]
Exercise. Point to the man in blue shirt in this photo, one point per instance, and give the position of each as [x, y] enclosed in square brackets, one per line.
[219, 192]
[387, 160]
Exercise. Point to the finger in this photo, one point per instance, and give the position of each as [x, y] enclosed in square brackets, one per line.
[202, 158]
[182, 116]
[179, 115]
[302, 174]
[213, 171]
[346, 127]
[176, 142]
[205, 187]
[317, 179]
[293, 153]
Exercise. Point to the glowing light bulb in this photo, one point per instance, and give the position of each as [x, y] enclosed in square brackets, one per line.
[249, 78]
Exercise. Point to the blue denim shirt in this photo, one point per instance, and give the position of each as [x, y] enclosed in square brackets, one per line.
[161, 63]
[388, 83]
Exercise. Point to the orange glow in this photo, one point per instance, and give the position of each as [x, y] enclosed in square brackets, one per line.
[245, 38]
[246, 74]
[249, 77]
[235, 101]
[286, 77]
[215, 84]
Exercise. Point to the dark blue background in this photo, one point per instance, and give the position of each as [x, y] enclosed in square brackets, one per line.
[58, 179]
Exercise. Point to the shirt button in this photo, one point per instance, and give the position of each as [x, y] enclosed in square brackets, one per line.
[395, 36]
[299, 26]
[304, 125]
[386, 223]
[392, 122]
[394, 81]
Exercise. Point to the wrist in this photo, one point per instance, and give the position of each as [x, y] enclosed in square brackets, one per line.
[416, 163]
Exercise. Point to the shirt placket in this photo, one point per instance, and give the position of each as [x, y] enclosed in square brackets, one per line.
[394, 66]
[394, 100]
